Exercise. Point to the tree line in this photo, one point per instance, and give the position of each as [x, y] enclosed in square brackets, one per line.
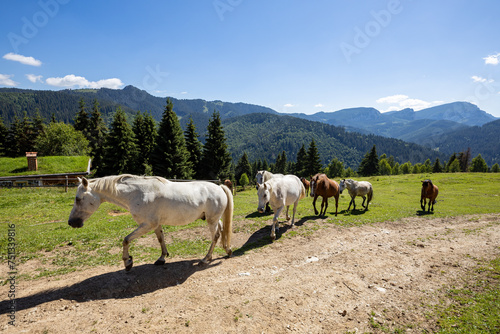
[144, 147]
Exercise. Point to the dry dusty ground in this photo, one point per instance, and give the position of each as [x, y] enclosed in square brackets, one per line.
[332, 281]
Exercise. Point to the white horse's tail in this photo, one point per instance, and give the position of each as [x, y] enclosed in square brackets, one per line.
[370, 194]
[227, 221]
[302, 191]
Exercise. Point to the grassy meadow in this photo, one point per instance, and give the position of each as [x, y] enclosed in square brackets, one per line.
[46, 165]
[42, 233]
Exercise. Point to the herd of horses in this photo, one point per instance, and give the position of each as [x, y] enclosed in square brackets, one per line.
[154, 201]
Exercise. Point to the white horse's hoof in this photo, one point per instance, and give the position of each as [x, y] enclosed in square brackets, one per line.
[160, 262]
[129, 263]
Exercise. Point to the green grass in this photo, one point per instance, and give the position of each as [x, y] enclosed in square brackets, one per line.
[42, 233]
[40, 216]
[474, 308]
[46, 165]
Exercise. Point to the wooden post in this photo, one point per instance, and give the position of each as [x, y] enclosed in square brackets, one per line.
[66, 187]
[32, 161]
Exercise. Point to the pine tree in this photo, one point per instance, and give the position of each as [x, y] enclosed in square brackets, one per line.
[243, 167]
[216, 159]
[28, 136]
[120, 152]
[38, 124]
[170, 156]
[335, 169]
[450, 161]
[13, 144]
[312, 164]
[464, 159]
[300, 164]
[479, 165]
[265, 165]
[194, 147]
[280, 166]
[369, 165]
[144, 128]
[4, 131]
[82, 119]
[96, 136]
[436, 167]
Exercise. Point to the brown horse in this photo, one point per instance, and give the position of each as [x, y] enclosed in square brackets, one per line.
[229, 184]
[306, 184]
[322, 186]
[429, 191]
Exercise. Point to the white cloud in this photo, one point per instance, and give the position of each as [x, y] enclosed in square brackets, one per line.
[5, 80]
[319, 105]
[22, 59]
[398, 102]
[34, 78]
[72, 80]
[492, 59]
[288, 105]
[392, 99]
[475, 78]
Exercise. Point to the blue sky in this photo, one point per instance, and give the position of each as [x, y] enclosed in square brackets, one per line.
[292, 56]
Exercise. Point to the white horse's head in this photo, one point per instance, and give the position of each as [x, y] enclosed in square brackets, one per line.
[86, 203]
[342, 185]
[264, 195]
[260, 176]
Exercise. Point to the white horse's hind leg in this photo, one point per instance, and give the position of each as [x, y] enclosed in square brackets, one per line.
[294, 210]
[215, 229]
[161, 240]
[287, 216]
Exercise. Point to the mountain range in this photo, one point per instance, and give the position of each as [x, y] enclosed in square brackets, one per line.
[439, 131]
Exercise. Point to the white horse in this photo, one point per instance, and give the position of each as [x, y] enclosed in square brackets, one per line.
[355, 188]
[264, 176]
[155, 201]
[280, 192]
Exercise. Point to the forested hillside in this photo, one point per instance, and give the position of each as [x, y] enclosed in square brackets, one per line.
[264, 136]
[263, 133]
[482, 140]
[63, 104]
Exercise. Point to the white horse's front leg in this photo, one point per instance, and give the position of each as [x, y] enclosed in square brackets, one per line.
[161, 240]
[287, 216]
[275, 226]
[140, 231]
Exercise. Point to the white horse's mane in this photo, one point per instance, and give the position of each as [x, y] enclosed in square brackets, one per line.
[109, 183]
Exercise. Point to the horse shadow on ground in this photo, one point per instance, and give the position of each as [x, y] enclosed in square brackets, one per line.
[356, 212]
[424, 213]
[142, 279]
[262, 237]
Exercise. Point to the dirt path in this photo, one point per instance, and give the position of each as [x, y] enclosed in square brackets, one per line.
[333, 281]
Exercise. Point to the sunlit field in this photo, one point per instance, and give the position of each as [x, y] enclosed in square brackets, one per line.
[42, 232]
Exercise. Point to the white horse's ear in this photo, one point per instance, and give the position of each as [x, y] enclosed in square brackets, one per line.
[84, 182]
